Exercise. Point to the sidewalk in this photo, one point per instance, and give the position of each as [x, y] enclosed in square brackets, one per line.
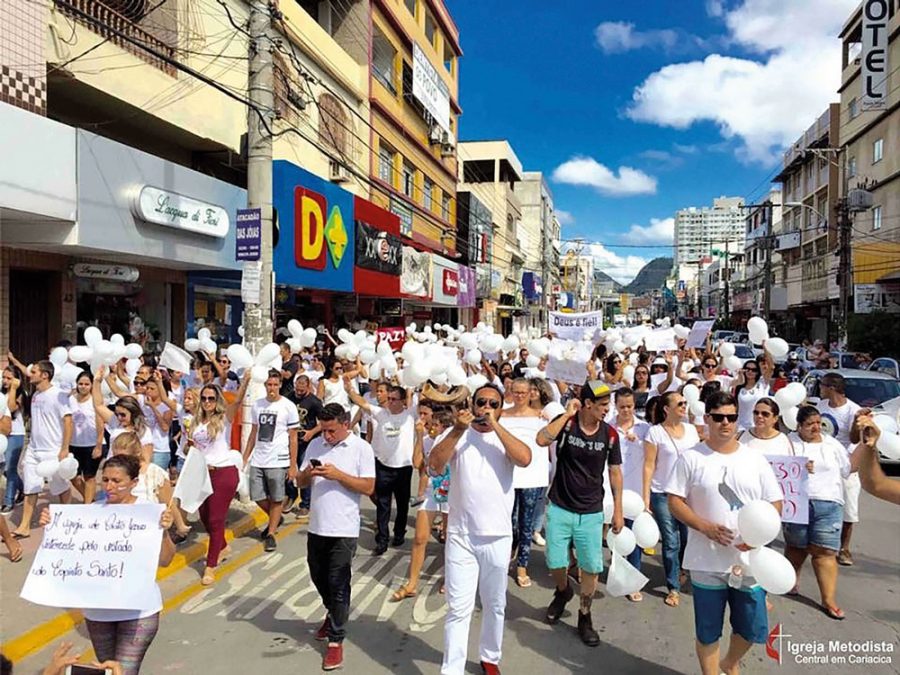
[26, 628]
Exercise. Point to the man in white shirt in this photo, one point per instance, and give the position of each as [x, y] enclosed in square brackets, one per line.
[340, 467]
[707, 488]
[839, 415]
[51, 432]
[482, 455]
[272, 453]
[393, 438]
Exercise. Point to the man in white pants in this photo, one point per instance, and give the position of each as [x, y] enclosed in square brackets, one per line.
[482, 455]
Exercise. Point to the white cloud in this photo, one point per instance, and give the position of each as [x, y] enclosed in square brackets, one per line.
[659, 231]
[621, 268]
[764, 104]
[564, 217]
[714, 8]
[616, 37]
[588, 171]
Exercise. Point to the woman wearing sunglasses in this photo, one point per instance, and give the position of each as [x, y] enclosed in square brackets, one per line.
[669, 436]
[641, 389]
[331, 385]
[126, 415]
[210, 434]
[751, 385]
[764, 436]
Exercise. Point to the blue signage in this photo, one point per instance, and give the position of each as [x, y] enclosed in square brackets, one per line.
[248, 234]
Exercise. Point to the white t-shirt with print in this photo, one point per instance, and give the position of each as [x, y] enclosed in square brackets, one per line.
[274, 421]
[632, 455]
[668, 448]
[716, 486]
[48, 410]
[536, 474]
[84, 422]
[393, 436]
[216, 450]
[837, 422]
[777, 445]
[831, 464]
[159, 438]
[334, 510]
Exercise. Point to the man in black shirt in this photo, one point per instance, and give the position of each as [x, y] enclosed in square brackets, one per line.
[289, 367]
[584, 443]
[308, 408]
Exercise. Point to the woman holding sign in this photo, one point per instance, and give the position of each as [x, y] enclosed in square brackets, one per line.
[125, 635]
[828, 464]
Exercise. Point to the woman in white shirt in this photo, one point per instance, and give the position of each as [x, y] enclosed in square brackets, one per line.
[828, 464]
[750, 386]
[159, 418]
[120, 635]
[331, 385]
[126, 415]
[210, 436]
[669, 436]
[86, 445]
[11, 388]
[764, 436]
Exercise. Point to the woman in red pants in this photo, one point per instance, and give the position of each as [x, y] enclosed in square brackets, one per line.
[210, 434]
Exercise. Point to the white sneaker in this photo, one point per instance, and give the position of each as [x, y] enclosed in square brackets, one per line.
[538, 539]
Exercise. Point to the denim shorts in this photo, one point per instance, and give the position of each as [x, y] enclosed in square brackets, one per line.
[267, 483]
[585, 530]
[824, 528]
[747, 606]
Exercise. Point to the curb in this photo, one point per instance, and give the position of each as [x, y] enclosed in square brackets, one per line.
[41, 635]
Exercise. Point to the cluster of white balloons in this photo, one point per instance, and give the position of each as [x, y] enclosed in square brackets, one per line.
[98, 352]
[643, 532]
[789, 399]
[758, 524]
[67, 468]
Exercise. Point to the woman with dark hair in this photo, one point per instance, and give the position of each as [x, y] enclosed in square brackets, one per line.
[764, 436]
[15, 399]
[126, 415]
[613, 368]
[158, 414]
[641, 389]
[86, 445]
[828, 465]
[331, 384]
[751, 385]
[541, 393]
[707, 389]
[669, 436]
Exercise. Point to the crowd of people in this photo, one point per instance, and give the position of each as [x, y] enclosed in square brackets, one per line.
[514, 461]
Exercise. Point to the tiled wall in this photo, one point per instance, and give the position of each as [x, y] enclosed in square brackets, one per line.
[23, 67]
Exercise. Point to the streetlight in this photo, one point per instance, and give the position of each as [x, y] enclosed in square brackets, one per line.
[792, 205]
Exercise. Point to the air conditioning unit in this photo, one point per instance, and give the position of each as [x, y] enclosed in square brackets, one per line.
[859, 200]
[337, 172]
[435, 134]
[448, 144]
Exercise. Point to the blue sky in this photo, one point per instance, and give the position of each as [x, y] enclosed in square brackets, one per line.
[637, 109]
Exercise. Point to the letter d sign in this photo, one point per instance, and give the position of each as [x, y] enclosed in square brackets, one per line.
[309, 229]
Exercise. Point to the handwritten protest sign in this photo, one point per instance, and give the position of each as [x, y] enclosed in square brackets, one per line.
[697, 337]
[566, 370]
[793, 478]
[573, 325]
[98, 557]
[661, 340]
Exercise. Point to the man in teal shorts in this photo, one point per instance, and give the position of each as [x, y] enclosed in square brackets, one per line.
[584, 443]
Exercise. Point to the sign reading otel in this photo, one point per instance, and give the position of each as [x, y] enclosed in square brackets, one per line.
[874, 56]
[170, 209]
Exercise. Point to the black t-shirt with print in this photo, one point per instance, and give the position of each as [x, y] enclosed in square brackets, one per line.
[308, 409]
[578, 483]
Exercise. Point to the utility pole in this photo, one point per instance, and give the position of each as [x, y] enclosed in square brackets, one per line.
[727, 280]
[767, 214]
[260, 117]
[844, 275]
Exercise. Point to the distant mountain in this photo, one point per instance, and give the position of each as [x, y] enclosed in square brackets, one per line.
[652, 276]
[602, 277]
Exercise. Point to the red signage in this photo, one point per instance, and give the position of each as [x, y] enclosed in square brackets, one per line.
[451, 282]
[394, 336]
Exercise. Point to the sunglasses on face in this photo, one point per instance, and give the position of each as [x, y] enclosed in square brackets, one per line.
[121, 415]
[762, 413]
[140, 383]
[492, 402]
[710, 365]
[751, 370]
[681, 404]
[721, 417]
[208, 399]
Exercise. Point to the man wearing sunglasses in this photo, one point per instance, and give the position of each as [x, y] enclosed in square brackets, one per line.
[584, 444]
[482, 455]
[709, 485]
[393, 439]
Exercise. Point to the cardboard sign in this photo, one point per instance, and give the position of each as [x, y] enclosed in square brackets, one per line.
[98, 556]
[699, 331]
[571, 372]
[793, 478]
[661, 340]
[394, 336]
[573, 325]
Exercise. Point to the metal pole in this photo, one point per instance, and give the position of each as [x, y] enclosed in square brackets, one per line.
[768, 244]
[258, 315]
[844, 275]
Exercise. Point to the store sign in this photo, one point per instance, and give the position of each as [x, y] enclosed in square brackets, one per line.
[171, 209]
[405, 213]
[866, 298]
[466, 295]
[378, 250]
[317, 240]
[446, 281]
[430, 89]
[532, 286]
[451, 282]
[874, 56]
[248, 234]
[123, 273]
[416, 276]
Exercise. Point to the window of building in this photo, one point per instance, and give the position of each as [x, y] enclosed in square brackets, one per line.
[411, 6]
[427, 193]
[409, 179]
[430, 28]
[853, 108]
[876, 218]
[445, 206]
[386, 156]
[449, 57]
[384, 58]
[877, 151]
[334, 124]
[851, 167]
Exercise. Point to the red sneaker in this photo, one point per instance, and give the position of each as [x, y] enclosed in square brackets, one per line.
[334, 656]
[322, 633]
[490, 668]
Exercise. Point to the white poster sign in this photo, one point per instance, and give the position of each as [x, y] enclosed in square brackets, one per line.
[97, 557]
[566, 370]
[573, 325]
[876, 15]
[699, 331]
[661, 340]
[251, 282]
[866, 297]
[430, 89]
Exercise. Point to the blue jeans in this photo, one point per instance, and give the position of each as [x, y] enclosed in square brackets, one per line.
[14, 483]
[162, 459]
[674, 539]
[634, 558]
[540, 510]
[523, 521]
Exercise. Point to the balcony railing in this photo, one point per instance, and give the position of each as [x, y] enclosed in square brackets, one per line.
[109, 24]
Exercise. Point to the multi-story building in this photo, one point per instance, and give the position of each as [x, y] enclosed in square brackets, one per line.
[697, 230]
[760, 256]
[576, 276]
[870, 148]
[539, 235]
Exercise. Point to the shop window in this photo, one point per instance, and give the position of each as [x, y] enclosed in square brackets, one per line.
[386, 156]
[427, 193]
[334, 124]
[409, 179]
[384, 56]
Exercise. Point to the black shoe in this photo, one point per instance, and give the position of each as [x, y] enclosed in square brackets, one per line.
[586, 631]
[263, 533]
[396, 543]
[271, 544]
[6, 509]
[558, 604]
[379, 549]
[20, 498]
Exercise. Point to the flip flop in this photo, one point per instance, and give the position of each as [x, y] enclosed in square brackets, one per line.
[635, 597]
[19, 535]
[835, 613]
[673, 599]
[523, 581]
[402, 593]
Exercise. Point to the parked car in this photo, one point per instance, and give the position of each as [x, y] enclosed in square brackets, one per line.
[885, 365]
[864, 387]
[744, 352]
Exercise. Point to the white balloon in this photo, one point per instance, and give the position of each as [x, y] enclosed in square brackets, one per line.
[439, 379]
[691, 393]
[310, 335]
[622, 543]
[777, 347]
[132, 366]
[456, 376]
[375, 371]
[259, 374]
[510, 344]
[192, 344]
[758, 523]
[296, 344]
[133, 351]
[92, 336]
[646, 531]
[473, 357]
[68, 468]
[267, 354]
[789, 416]
[475, 382]
[239, 356]
[117, 339]
[553, 410]
[632, 504]
[367, 356]
[59, 356]
[420, 371]
[681, 332]
[628, 374]
[532, 361]
[772, 570]
[468, 341]
[208, 345]
[345, 336]
[241, 331]
[698, 408]
[47, 468]
[204, 334]
[886, 424]
[733, 363]
[633, 358]
[889, 445]
[726, 350]
[783, 399]
[758, 324]
[538, 347]
[618, 346]
[758, 336]
[797, 393]
[80, 353]
[295, 328]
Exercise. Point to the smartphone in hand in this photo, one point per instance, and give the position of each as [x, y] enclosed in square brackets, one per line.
[314, 463]
[82, 669]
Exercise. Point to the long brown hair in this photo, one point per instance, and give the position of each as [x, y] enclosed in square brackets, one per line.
[215, 421]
